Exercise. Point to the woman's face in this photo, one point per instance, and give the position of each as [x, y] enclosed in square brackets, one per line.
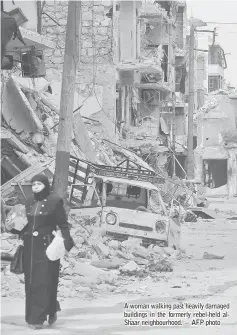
[37, 186]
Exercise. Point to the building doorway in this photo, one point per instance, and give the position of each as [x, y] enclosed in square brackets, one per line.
[215, 172]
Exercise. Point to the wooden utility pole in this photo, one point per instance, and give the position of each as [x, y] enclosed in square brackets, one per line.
[190, 158]
[40, 7]
[67, 98]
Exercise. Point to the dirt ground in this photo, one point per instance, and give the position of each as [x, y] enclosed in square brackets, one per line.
[194, 280]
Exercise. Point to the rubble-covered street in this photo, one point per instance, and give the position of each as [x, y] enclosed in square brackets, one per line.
[118, 168]
[92, 299]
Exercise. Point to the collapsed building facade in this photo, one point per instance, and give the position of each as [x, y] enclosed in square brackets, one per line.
[30, 102]
[216, 152]
[131, 91]
[151, 82]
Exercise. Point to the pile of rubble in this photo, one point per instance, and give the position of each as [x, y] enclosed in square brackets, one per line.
[97, 264]
[209, 105]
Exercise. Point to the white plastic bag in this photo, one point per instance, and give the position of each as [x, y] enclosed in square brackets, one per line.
[56, 249]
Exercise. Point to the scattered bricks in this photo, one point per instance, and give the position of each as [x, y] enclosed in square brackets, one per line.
[67, 271]
[85, 281]
[158, 250]
[108, 264]
[168, 251]
[82, 254]
[113, 244]
[87, 270]
[141, 252]
[83, 289]
[122, 255]
[131, 242]
[161, 265]
[102, 249]
[79, 240]
[105, 288]
[74, 252]
[141, 261]
[130, 268]
[5, 245]
[206, 255]
[64, 292]
[65, 283]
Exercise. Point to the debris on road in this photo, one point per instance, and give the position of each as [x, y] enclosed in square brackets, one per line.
[206, 255]
[97, 264]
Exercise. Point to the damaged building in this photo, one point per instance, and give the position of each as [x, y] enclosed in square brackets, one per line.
[151, 85]
[216, 152]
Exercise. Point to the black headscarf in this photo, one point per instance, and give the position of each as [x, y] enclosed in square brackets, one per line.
[46, 191]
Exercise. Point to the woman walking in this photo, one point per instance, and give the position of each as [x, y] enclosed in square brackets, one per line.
[45, 211]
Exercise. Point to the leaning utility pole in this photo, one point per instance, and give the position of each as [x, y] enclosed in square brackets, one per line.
[190, 158]
[67, 99]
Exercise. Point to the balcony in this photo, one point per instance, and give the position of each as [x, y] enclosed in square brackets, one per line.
[160, 86]
[143, 66]
[215, 70]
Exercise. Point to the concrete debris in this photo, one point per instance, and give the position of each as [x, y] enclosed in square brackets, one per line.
[209, 105]
[97, 265]
[206, 255]
[131, 268]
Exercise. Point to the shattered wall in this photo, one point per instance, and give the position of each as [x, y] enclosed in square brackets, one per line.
[96, 50]
[216, 124]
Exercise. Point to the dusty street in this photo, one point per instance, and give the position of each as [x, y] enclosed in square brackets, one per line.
[194, 280]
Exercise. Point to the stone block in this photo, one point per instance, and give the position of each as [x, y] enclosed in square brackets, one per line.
[5, 245]
[108, 264]
[102, 30]
[62, 21]
[87, 16]
[130, 268]
[105, 22]
[158, 250]
[124, 255]
[105, 288]
[102, 249]
[84, 281]
[83, 289]
[87, 270]
[86, 23]
[113, 244]
[141, 252]
[79, 240]
[90, 52]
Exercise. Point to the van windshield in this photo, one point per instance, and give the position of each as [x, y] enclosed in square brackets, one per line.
[125, 196]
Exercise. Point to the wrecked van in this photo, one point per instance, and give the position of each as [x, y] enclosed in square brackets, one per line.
[129, 208]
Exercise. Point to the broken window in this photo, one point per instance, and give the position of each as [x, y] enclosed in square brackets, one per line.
[214, 83]
[126, 196]
[215, 172]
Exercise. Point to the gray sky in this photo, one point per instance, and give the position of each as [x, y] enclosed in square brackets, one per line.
[220, 11]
